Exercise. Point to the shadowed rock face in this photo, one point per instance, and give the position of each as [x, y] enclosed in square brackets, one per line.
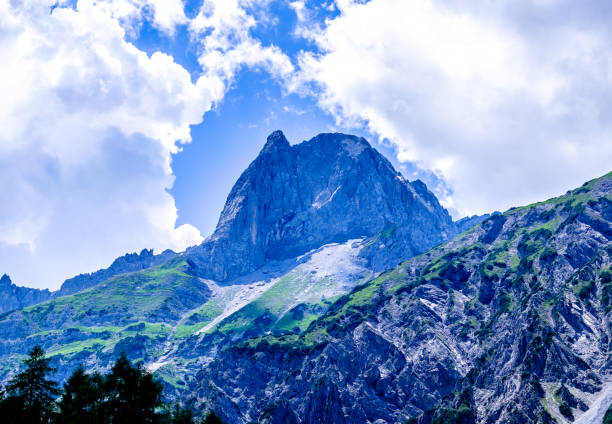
[129, 262]
[290, 200]
[331, 188]
[14, 297]
[504, 324]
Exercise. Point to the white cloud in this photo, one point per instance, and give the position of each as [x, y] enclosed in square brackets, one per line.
[309, 24]
[165, 14]
[89, 124]
[504, 112]
[223, 29]
[506, 104]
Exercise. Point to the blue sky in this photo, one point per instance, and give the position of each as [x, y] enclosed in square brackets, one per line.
[126, 122]
[233, 132]
[236, 131]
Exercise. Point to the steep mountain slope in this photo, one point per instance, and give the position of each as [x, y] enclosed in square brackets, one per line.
[15, 297]
[175, 322]
[332, 188]
[303, 225]
[127, 313]
[293, 199]
[508, 323]
[129, 262]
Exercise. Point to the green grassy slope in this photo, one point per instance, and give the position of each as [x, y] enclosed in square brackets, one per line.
[536, 278]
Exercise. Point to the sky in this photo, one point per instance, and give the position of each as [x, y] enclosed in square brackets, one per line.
[125, 123]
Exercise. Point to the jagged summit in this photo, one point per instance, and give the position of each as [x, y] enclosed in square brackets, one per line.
[275, 140]
[5, 280]
[13, 297]
[331, 188]
[129, 262]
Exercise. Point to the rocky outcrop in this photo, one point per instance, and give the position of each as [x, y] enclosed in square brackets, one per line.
[332, 188]
[468, 222]
[129, 262]
[509, 323]
[15, 297]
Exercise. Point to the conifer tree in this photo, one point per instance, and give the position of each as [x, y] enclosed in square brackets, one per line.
[132, 394]
[82, 399]
[212, 418]
[30, 395]
[182, 415]
[127, 395]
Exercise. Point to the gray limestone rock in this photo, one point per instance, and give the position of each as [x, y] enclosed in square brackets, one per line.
[503, 324]
[15, 297]
[332, 188]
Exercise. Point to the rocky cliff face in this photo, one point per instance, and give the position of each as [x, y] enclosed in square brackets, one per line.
[302, 226]
[129, 262]
[332, 188]
[293, 199]
[292, 340]
[509, 323]
[15, 297]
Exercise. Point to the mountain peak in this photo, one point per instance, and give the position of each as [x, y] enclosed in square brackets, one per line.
[5, 280]
[14, 297]
[331, 188]
[339, 143]
[276, 140]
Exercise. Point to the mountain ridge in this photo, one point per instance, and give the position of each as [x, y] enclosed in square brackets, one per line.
[15, 297]
[397, 245]
[506, 322]
[159, 309]
[509, 322]
[331, 188]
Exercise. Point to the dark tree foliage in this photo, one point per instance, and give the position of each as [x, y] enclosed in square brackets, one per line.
[182, 415]
[30, 395]
[82, 399]
[132, 394]
[461, 413]
[212, 418]
[566, 411]
[129, 394]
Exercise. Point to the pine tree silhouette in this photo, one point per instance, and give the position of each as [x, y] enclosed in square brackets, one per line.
[182, 415]
[82, 399]
[127, 395]
[212, 418]
[30, 395]
[132, 394]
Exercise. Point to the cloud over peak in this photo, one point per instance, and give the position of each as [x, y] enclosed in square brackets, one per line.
[504, 112]
[90, 126]
[507, 103]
